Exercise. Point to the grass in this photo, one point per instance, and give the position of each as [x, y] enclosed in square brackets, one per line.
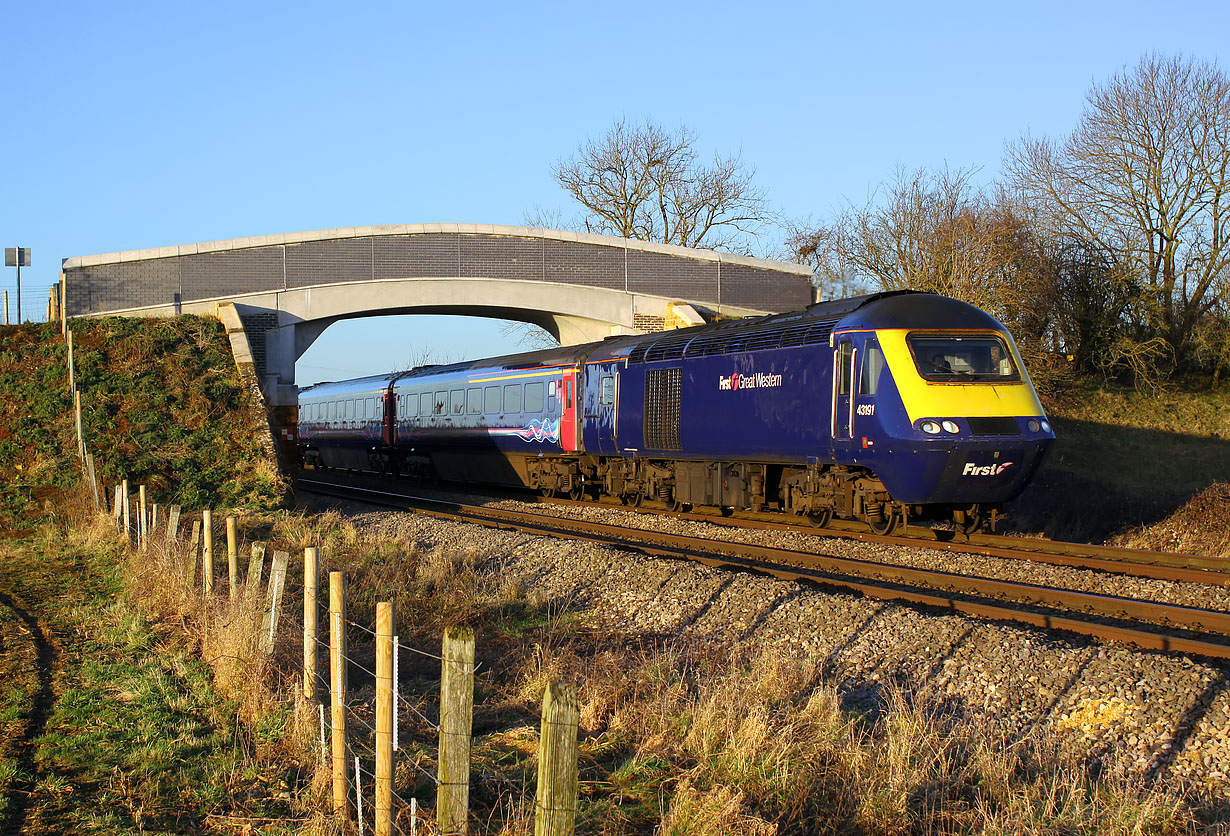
[135, 736]
[701, 740]
[162, 405]
[1123, 460]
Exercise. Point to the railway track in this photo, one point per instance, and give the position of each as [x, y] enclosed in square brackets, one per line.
[1167, 566]
[1146, 624]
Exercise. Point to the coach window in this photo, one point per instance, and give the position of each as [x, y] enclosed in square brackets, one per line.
[491, 400]
[426, 403]
[552, 393]
[512, 397]
[458, 402]
[873, 364]
[608, 390]
[474, 401]
[533, 397]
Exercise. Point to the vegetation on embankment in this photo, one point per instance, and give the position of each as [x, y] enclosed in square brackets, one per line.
[1124, 460]
[109, 720]
[162, 404]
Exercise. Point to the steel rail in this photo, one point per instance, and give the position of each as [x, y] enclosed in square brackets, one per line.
[828, 569]
[1169, 566]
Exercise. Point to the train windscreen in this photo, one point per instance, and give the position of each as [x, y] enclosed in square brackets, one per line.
[963, 358]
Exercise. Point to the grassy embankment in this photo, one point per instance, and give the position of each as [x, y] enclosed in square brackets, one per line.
[677, 738]
[109, 722]
[1124, 462]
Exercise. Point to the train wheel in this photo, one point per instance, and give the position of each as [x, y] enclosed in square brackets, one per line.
[821, 518]
[576, 493]
[635, 499]
[885, 525]
[550, 493]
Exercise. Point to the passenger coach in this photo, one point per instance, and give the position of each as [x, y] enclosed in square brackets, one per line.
[879, 408]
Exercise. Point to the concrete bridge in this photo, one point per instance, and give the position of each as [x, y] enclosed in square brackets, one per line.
[287, 289]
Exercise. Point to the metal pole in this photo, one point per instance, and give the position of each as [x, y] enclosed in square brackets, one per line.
[18, 285]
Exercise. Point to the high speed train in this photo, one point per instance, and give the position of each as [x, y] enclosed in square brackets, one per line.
[881, 408]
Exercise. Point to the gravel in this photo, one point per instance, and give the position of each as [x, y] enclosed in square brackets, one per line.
[1145, 715]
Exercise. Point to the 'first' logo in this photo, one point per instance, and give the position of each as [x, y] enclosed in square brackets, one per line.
[972, 469]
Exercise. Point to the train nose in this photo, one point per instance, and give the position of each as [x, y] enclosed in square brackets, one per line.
[989, 473]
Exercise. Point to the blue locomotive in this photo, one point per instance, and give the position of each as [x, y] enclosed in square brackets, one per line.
[881, 408]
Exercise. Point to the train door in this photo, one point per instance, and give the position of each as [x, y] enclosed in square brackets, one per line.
[844, 363]
[568, 424]
[598, 402]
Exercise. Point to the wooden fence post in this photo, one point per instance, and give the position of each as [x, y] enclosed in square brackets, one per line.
[337, 676]
[80, 432]
[142, 519]
[6, 307]
[383, 818]
[456, 724]
[273, 600]
[93, 477]
[173, 524]
[232, 556]
[72, 372]
[311, 611]
[555, 809]
[127, 514]
[256, 564]
[117, 509]
[194, 552]
[207, 555]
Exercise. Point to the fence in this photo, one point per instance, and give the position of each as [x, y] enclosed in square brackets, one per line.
[344, 739]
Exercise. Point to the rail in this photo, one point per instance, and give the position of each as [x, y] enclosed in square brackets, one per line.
[1147, 624]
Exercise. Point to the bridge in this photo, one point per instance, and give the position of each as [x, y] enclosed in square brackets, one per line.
[287, 289]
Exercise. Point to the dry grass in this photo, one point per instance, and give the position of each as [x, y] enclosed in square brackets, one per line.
[677, 739]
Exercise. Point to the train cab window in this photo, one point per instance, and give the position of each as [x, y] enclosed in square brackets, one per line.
[491, 400]
[474, 401]
[533, 397]
[873, 365]
[458, 401]
[427, 404]
[845, 361]
[441, 400]
[963, 358]
[608, 390]
[512, 397]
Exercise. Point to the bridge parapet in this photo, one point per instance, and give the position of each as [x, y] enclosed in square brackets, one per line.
[289, 288]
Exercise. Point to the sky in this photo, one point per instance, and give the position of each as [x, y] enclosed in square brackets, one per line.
[138, 125]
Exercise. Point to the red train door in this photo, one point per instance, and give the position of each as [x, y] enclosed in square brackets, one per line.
[568, 426]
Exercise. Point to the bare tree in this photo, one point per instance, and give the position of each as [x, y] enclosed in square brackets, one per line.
[821, 249]
[1145, 179]
[646, 183]
[936, 232]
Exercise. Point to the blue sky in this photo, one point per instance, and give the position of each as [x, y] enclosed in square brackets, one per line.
[138, 125]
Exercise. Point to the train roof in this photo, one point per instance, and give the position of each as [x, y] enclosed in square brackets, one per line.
[811, 326]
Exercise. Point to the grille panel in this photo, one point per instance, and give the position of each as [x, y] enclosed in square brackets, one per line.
[995, 425]
[663, 409]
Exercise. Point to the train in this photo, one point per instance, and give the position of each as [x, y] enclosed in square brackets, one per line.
[885, 408]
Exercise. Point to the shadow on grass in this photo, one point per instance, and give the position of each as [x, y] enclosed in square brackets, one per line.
[1102, 479]
[14, 819]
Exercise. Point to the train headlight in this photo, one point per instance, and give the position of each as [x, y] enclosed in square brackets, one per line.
[930, 427]
[950, 426]
[1046, 426]
[1033, 425]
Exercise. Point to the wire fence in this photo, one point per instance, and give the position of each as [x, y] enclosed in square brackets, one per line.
[139, 522]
